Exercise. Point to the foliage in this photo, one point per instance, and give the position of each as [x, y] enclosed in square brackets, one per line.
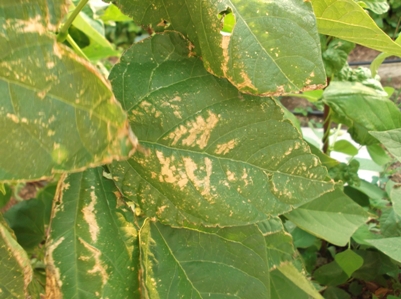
[223, 197]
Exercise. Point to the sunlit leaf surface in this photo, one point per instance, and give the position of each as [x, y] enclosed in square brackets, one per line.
[215, 156]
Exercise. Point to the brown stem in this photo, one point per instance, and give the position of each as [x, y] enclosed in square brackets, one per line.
[326, 128]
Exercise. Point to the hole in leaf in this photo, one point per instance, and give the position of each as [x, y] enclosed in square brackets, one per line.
[228, 21]
[163, 23]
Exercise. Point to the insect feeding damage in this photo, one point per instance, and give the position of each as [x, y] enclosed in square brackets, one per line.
[90, 216]
[197, 131]
[186, 172]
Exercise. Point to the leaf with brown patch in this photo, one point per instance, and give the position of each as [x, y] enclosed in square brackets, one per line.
[93, 237]
[216, 157]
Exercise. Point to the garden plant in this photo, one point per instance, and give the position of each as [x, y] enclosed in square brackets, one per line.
[178, 173]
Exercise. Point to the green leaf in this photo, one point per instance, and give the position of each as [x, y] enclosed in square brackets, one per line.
[395, 196]
[287, 282]
[28, 217]
[57, 112]
[391, 139]
[389, 246]
[349, 261]
[335, 56]
[113, 13]
[333, 217]
[16, 270]
[215, 156]
[390, 222]
[311, 95]
[279, 245]
[204, 263]
[378, 154]
[330, 274]
[377, 6]
[376, 63]
[358, 196]
[347, 98]
[346, 147]
[93, 247]
[375, 264]
[362, 234]
[325, 159]
[99, 46]
[371, 190]
[259, 56]
[302, 239]
[5, 197]
[347, 20]
[335, 293]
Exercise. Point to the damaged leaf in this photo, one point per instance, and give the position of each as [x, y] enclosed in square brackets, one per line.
[216, 263]
[251, 43]
[204, 263]
[215, 156]
[57, 113]
[92, 249]
[16, 270]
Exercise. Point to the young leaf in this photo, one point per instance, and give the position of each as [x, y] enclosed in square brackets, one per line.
[259, 55]
[333, 217]
[93, 248]
[349, 261]
[378, 154]
[346, 147]
[57, 113]
[347, 20]
[215, 156]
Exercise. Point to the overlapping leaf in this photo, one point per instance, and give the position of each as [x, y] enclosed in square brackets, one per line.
[215, 156]
[391, 139]
[16, 270]
[251, 43]
[28, 218]
[378, 113]
[93, 246]
[215, 263]
[333, 217]
[57, 113]
[347, 20]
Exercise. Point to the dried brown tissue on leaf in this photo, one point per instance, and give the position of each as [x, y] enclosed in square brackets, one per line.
[53, 276]
[198, 131]
[225, 148]
[98, 267]
[90, 216]
[202, 184]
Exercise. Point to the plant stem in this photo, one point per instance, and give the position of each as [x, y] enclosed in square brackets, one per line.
[326, 128]
[76, 48]
[62, 35]
[326, 125]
